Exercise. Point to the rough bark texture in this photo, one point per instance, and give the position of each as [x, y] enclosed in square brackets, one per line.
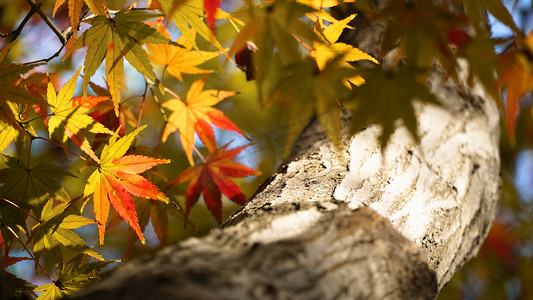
[360, 224]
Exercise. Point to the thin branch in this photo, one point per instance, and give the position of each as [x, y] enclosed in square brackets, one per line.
[66, 149]
[15, 34]
[37, 7]
[19, 208]
[47, 60]
[29, 253]
[142, 105]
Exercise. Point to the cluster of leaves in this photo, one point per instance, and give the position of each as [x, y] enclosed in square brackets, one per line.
[292, 51]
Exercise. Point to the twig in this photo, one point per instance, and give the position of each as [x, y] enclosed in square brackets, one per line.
[47, 60]
[66, 149]
[19, 208]
[15, 34]
[29, 253]
[37, 7]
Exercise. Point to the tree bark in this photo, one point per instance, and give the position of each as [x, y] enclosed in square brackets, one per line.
[355, 224]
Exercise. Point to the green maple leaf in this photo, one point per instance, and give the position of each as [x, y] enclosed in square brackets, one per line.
[72, 277]
[387, 96]
[483, 62]
[12, 93]
[15, 126]
[10, 90]
[55, 228]
[15, 285]
[421, 28]
[115, 39]
[30, 187]
[68, 120]
[476, 11]
[310, 91]
[273, 27]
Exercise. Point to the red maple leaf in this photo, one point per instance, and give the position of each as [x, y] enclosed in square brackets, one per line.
[212, 178]
[211, 7]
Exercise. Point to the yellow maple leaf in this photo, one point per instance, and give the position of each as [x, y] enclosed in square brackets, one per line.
[180, 60]
[327, 49]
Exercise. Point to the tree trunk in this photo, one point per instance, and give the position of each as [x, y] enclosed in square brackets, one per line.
[360, 224]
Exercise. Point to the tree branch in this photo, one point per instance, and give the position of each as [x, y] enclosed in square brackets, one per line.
[37, 7]
[15, 34]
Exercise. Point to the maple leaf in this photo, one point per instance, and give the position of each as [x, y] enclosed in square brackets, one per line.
[72, 277]
[516, 76]
[74, 11]
[180, 60]
[387, 96]
[319, 5]
[54, 228]
[197, 106]
[9, 81]
[73, 119]
[16, 126]
[8, 133]
[30, 187]
[477, 12]
[116, 177]
[114, 39]
[12, 92]
[274, 28]
[157, 213]
[502, 241]
[211, 7]
[188, 14]
[421, 28]
[13, 282]
[89, 101]
[213, 178]
[310, 91]
[328, 49]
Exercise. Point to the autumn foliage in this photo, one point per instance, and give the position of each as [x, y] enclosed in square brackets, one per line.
[116, 155]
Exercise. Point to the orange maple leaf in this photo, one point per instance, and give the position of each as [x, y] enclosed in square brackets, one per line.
[213, 178]
[89, 101]
[198, 106]
[517, 76]
[180, 60]
[117, 178]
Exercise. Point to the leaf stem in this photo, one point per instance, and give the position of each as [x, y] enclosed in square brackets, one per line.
[202, 158]
[234, 25]
[66, 149]
[15, 34]
[141, 111]
[142, 105]
[163, 75]
[19, 208]
[29, 154]
[36, 118]
[29, 253]
[302, 43]
[172, 93]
